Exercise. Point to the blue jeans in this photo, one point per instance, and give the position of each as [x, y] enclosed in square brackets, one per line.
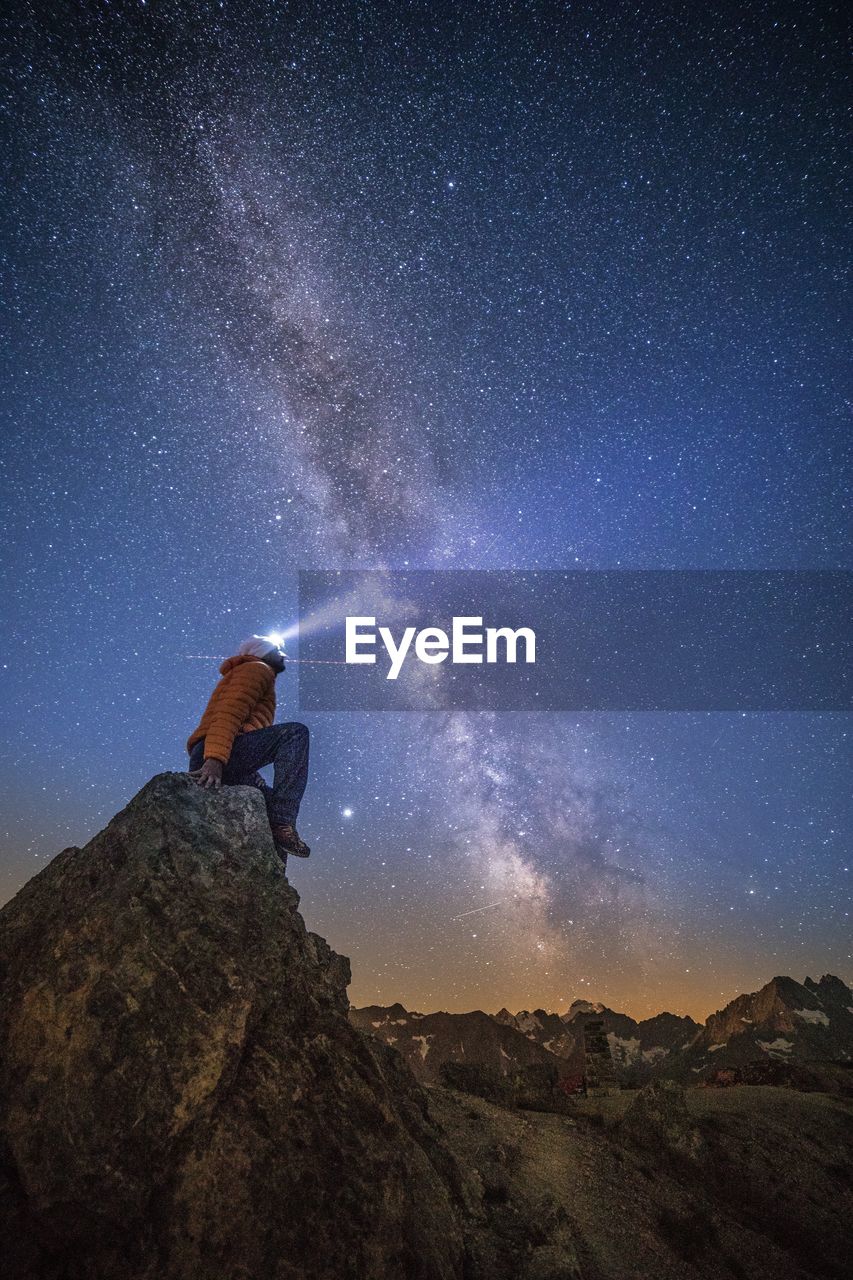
[283, 745]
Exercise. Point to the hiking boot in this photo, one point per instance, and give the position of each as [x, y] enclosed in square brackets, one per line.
[288, 840]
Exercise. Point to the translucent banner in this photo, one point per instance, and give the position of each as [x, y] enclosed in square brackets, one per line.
[612, 640]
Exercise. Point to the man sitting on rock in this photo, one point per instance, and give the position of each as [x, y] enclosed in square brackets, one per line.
[236, 737]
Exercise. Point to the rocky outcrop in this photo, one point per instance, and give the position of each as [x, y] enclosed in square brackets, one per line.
[181, 1093]
[531, 1088]
[658, 1119]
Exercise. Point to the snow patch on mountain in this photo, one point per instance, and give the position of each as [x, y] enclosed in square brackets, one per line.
[623, 1050]
[812, 1015]
[776, 1048]
[423, 1041]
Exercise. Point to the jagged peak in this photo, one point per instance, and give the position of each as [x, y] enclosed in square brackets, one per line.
[666, 1017]
[830, 986]
[395, 1010]
[583, 1006]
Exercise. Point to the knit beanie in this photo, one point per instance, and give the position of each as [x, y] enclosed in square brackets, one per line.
[258, 647]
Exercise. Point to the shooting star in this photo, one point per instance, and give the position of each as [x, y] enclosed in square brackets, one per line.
[311, 662]
[474, 911]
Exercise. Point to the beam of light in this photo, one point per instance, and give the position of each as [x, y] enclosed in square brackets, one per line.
[391, 606]
[289, 633]
[334, 611]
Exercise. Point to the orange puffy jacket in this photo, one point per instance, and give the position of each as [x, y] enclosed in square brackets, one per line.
[244, 699]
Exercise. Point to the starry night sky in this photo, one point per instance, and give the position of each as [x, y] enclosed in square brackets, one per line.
[506, 285]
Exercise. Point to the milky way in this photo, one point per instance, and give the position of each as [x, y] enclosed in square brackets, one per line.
[527, 286]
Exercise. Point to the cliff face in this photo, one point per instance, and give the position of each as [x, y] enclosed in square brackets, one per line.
[181, 1092]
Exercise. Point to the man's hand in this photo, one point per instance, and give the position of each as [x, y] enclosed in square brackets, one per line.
[209, 775]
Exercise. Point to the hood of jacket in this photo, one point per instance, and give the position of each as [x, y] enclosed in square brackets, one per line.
[237, 661]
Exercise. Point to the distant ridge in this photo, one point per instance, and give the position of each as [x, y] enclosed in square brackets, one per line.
[785, 1021]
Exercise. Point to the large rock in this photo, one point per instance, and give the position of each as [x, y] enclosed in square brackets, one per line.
[658, 1119]
[181, 1093]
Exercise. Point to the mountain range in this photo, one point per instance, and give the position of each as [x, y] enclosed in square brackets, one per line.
[785, 1021]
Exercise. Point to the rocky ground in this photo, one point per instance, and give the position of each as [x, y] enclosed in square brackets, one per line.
[744, 1183]
[183, 1097]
